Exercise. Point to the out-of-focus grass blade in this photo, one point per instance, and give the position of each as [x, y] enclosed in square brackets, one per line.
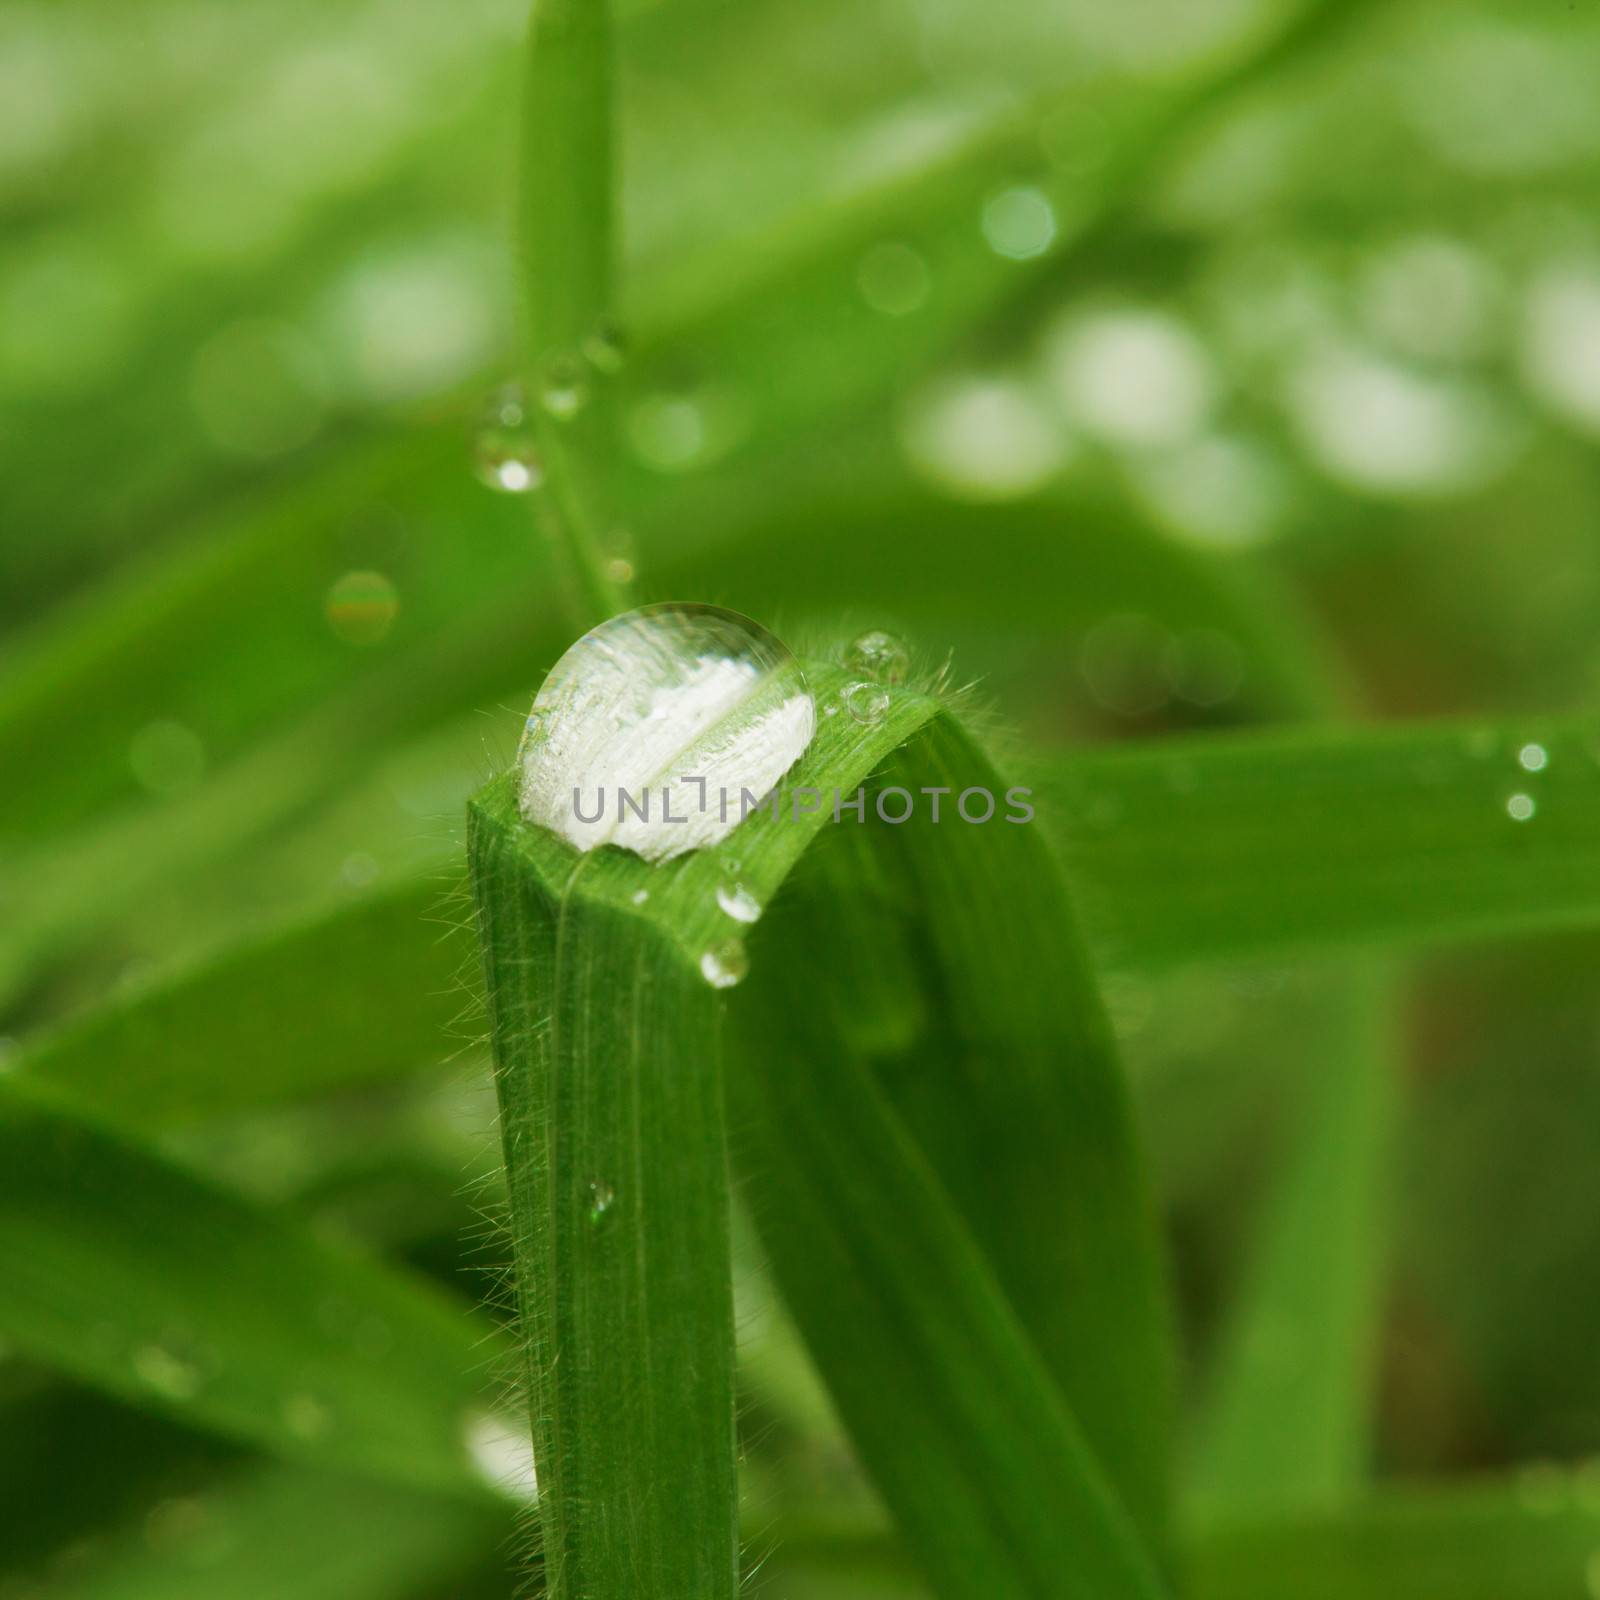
[137, 1277]
[1538, 1540]
[1535, 1539]
[1292, 1392]
[275, 1532]
[1037, 1280]
[1291, 841]
[366, 992]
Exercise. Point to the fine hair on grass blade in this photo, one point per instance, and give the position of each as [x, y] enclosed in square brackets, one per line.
[1009, 1325]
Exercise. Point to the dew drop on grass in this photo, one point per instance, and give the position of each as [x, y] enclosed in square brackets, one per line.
[868, 703]
[725, 963]
[1520, 807]
[639, 896]
[170, 1372]
[305, 1416]
[504, 455]
[563, 387]
[879, 656]
[652, 727]
[1533, 758]
[737, 902]
[601, 1198]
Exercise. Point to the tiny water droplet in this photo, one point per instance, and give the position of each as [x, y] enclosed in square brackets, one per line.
[361, 607]
[601, 1198]
[868, 703]
[1521, 807]
[563, 388]
[639, 896]
[620, 570]
[605, 349]
[305, 1416]
[504, 455]
[171, 1373]
[1533, 758]
[725, 963]
[879, 656]
[737, 902]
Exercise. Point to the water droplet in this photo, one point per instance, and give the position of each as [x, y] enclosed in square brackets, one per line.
[361, 607]
[501, 1451]
[868, 703]
[167, 758]
[305, 1416]
[879, 656]
[1019, 223]
[894, 279]
[1533, 758]
[620, 570]
[737, 901]
[563, 388]
[601, 1198]
[504, 454]
[172, 1373]
[639, 896]
[1520, 807]
[653, 729]
[605, 349]
[725, 964]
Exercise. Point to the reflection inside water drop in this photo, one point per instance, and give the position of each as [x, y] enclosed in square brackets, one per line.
[868, 703]
[879, 656]
[737, 902]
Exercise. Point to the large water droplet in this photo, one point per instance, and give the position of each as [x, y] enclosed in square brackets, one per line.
[504, 454]
[660, 730]
[725, 963]
[868, 703]
[879, 656]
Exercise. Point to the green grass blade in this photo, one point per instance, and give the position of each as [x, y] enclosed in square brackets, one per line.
[1070, 1437]
[1331, 837]
[137, 1277]
[1293, 1391]
[276, 1532]
[153, 1057]
[1537, 1540]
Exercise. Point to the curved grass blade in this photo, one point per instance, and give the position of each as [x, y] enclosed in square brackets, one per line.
[601, 1017]
[139, 1278]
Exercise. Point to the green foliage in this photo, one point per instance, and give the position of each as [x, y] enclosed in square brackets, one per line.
[1213, 387]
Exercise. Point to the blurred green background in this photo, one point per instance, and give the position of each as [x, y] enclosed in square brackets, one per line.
[1168, 365]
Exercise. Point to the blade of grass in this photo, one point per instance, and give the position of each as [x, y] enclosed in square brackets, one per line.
[1151, 830]
[1293, 1388]
[275, 1532]
[566, 210]
[139, 1278]
[978, 1301]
